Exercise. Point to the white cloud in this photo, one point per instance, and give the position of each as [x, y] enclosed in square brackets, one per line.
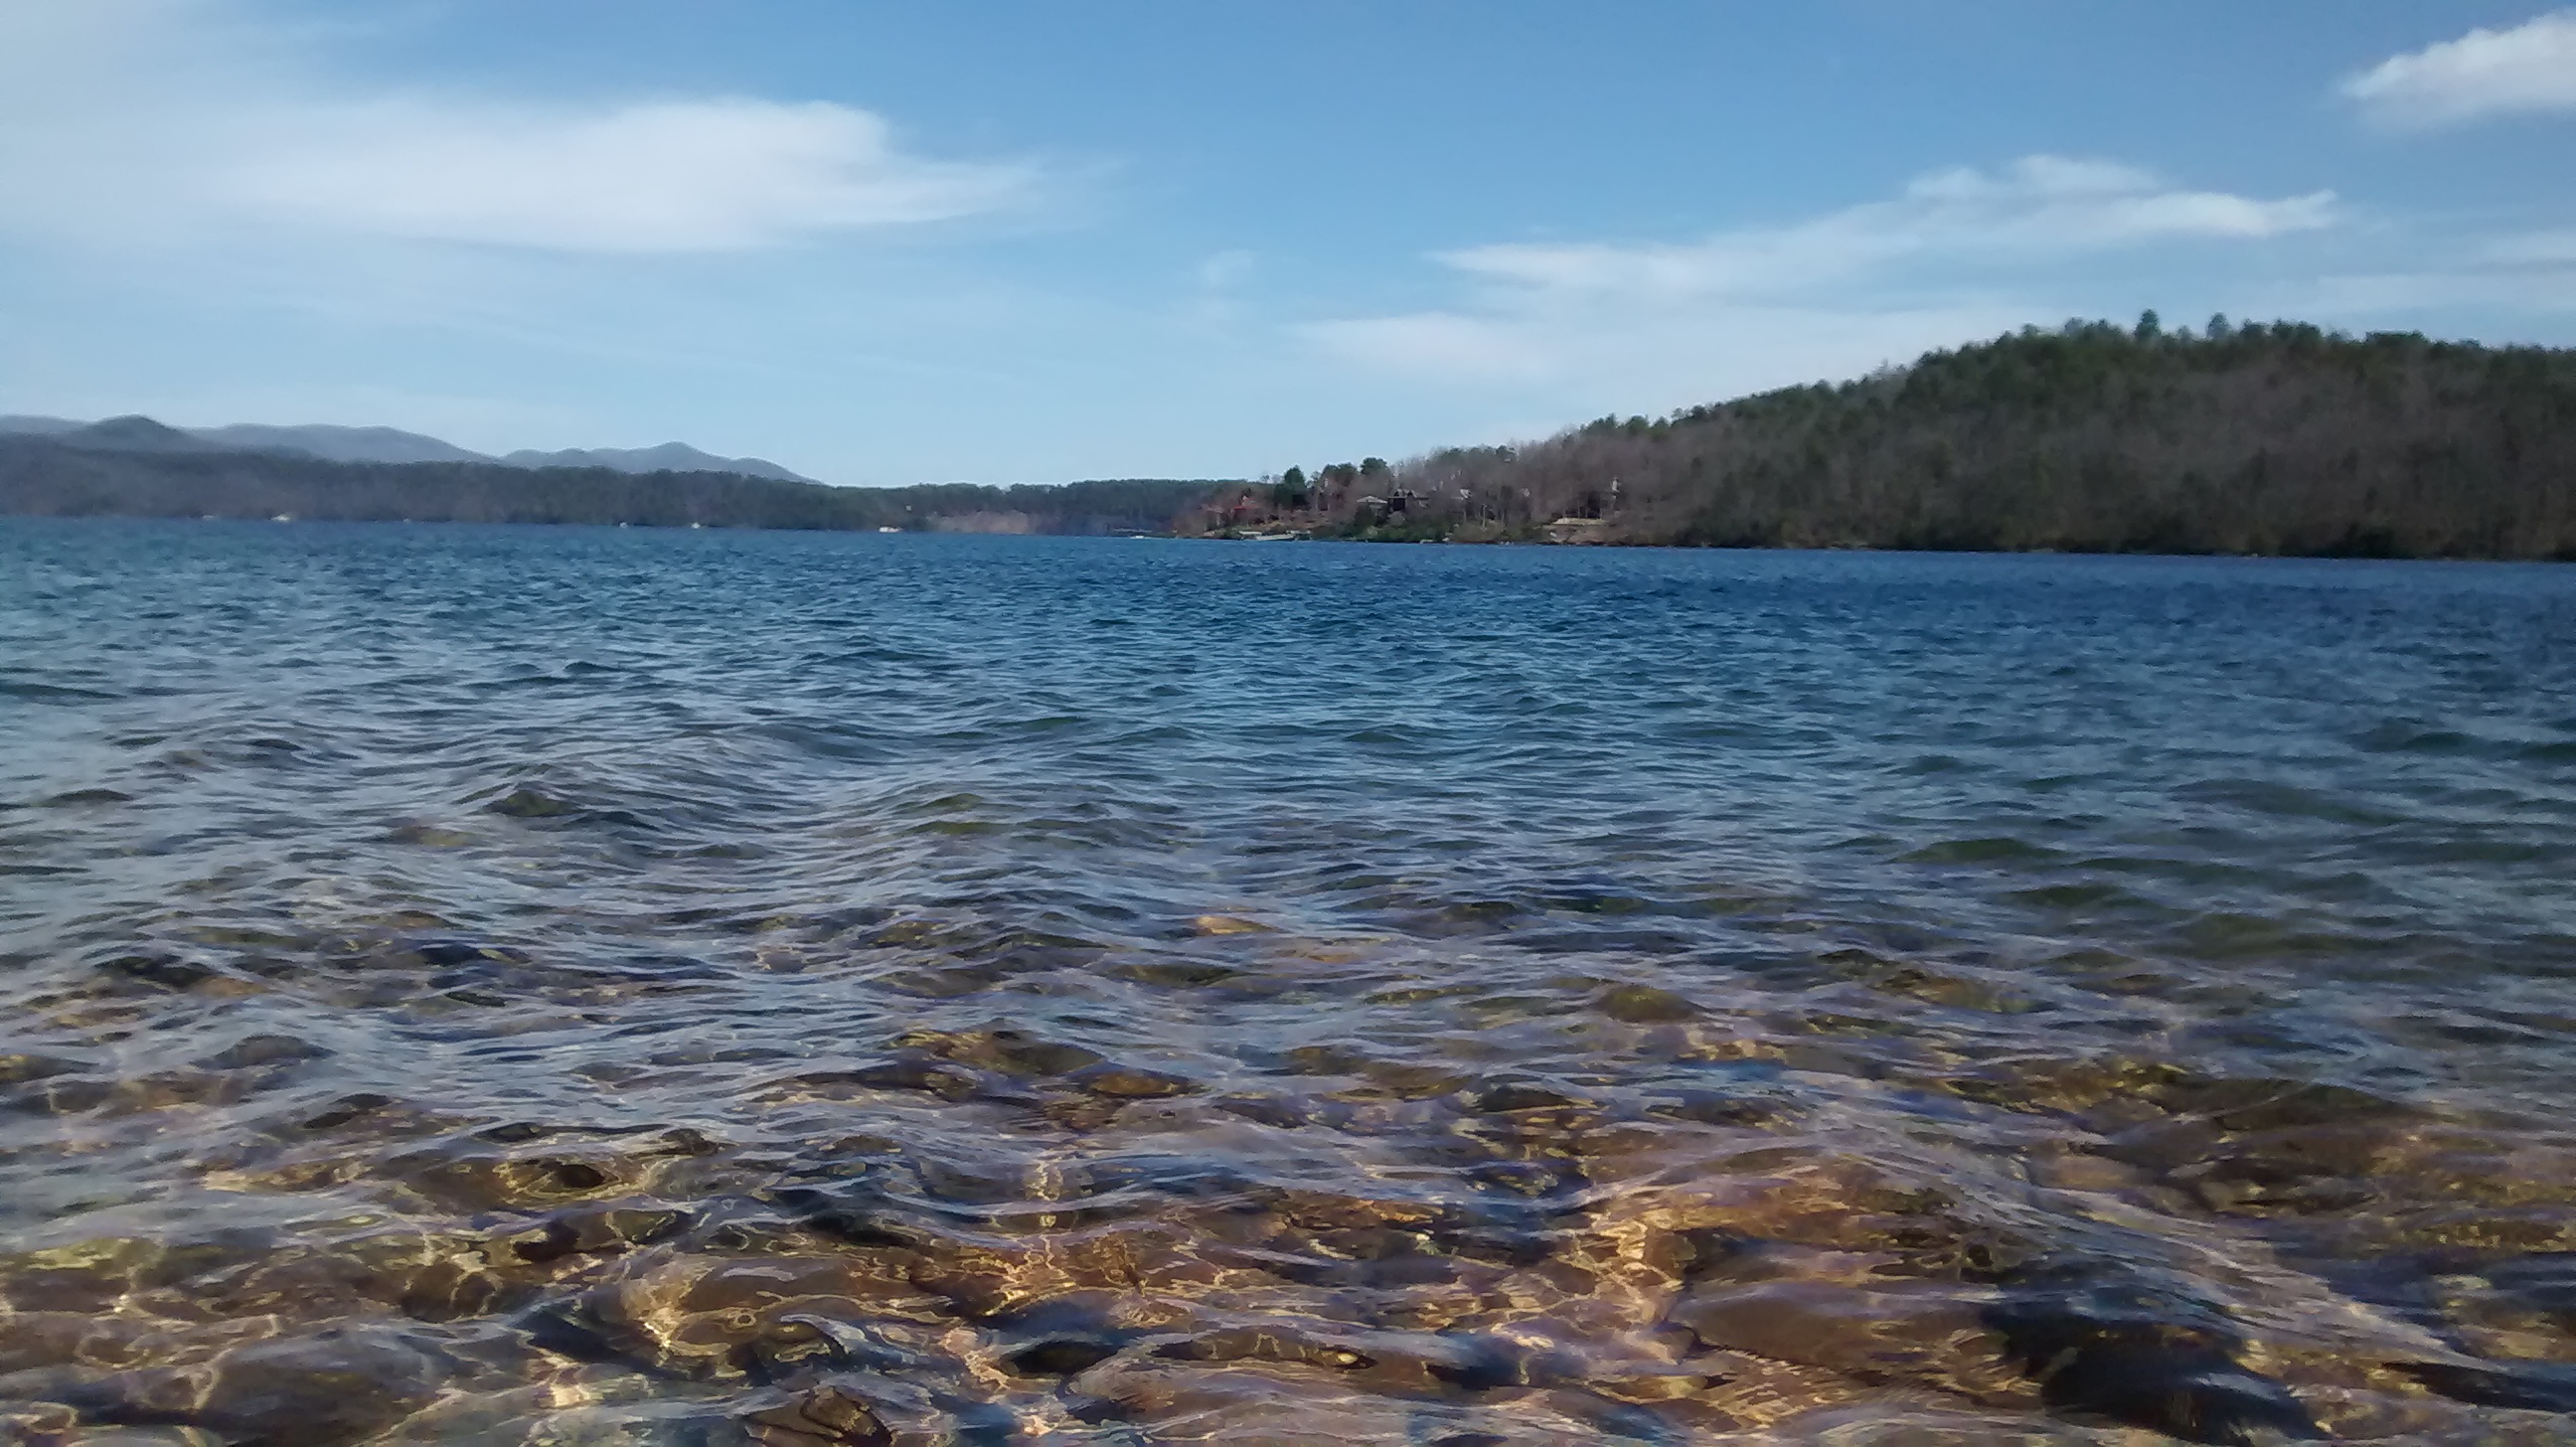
[2039, 205]
[2531, 67]
[699, 175]
[1760, 306]
[177, 120]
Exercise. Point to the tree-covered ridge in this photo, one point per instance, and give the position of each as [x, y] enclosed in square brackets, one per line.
[2277, 438]
[46, 476]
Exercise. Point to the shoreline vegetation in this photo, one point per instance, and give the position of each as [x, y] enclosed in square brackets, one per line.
[2267, 439]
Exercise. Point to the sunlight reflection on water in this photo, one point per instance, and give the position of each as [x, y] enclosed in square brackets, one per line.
[571, 985]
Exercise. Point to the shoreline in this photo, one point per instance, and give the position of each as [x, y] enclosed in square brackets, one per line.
[1625, 544]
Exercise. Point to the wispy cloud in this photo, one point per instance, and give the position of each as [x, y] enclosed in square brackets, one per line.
[699, 175]
[2529, 68]
[1827, 295]
[165, 121]
[2040, 205]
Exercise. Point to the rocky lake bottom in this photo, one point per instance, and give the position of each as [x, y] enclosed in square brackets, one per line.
[592, 986]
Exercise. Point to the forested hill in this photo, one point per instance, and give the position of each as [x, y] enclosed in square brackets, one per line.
[118, 476]
[2094, 437]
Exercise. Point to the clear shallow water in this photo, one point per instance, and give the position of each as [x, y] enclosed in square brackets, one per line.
[614, 986]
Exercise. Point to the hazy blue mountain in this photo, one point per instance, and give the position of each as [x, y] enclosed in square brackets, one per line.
[669, 457]
[135, 467]
[140, 434]
[336, 444]
[339, 444]
[388, 444]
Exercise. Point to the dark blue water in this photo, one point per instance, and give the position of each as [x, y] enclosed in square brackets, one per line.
[619, 986]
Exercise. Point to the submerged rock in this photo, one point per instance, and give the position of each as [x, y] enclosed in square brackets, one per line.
[1227, 924]
[1131, 1082]
[2520, 1386]
[2136, 1355]
[823, 1416]
[1646, 1005]
[335, 1387]
[1059, 1357]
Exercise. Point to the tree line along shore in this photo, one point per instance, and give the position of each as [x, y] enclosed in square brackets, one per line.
[2094, 437]
[2272, 438]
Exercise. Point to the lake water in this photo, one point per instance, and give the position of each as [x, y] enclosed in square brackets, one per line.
[610, 986]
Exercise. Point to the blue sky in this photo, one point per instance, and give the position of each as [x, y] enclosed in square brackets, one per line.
[887, 243]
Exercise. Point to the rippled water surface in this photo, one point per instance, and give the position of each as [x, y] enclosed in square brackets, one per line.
[619, 987]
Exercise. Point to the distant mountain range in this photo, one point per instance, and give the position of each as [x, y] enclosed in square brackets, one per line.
[373, 444]
[136, 467]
